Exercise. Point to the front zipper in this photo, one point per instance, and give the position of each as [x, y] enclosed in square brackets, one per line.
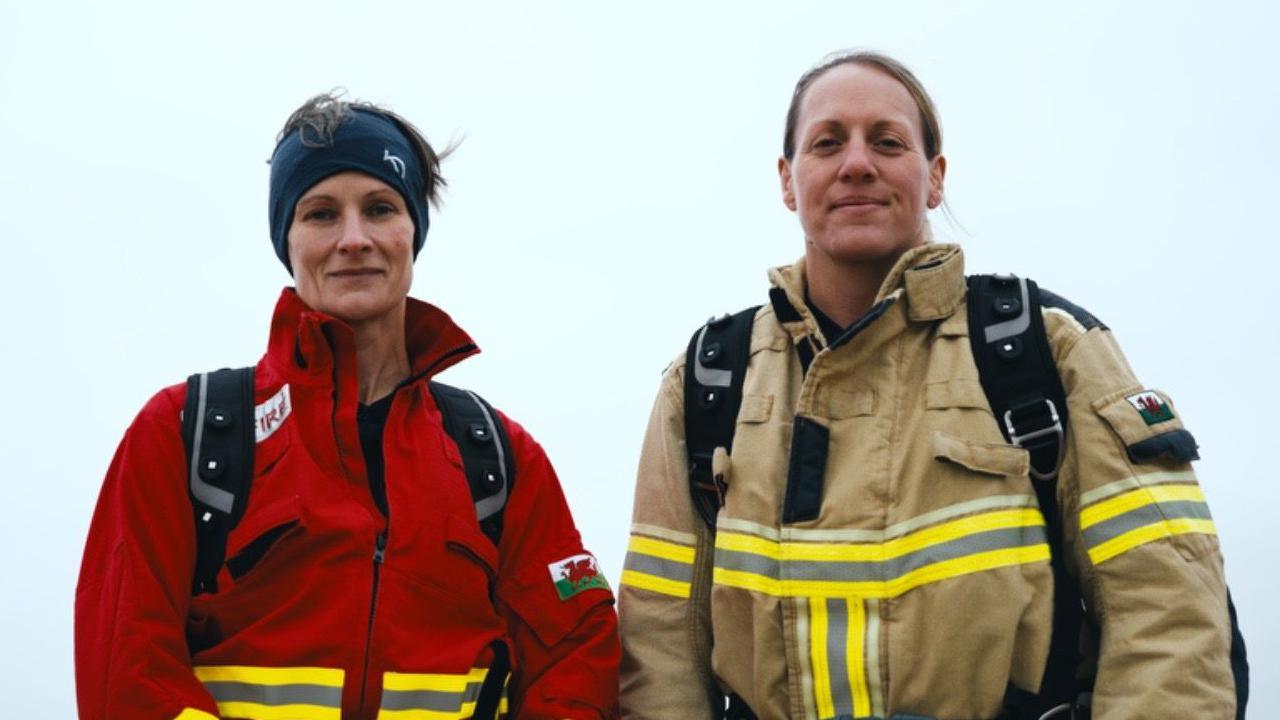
[379, 556]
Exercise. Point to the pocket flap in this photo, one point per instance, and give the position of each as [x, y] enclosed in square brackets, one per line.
[1145, 421]
[755, 408]
[987, 458]
[464, 535]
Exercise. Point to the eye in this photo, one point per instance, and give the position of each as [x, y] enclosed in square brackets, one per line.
[890, 144]
[381, 208]
[319, 214]
[825, 143]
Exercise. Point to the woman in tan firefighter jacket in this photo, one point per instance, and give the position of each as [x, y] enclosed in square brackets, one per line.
[910, 575]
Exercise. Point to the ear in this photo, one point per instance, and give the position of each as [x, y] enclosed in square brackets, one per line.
[937, 172]
[784, 175]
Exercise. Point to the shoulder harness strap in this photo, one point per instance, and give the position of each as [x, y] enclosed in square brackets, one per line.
[1017, 372]
[217, 431]
[715, 368]
[486, 452]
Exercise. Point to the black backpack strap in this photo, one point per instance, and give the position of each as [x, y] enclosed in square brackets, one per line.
[486, 452]
[1017, 372]
[716, 365]
[217, 431]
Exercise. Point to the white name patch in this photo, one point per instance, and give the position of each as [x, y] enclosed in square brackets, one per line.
[270, 415]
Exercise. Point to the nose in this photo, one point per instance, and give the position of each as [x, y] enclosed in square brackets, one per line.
[354, 236]
[857, 164]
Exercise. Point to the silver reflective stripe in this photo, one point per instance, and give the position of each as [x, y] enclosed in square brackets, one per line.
[1016, 326]
[705, 375]
[494, 503]
[437, 700]
[214, 497]
[227, 691]
[989, 540]
[837, 660]
[1142, 516]
[661, 567]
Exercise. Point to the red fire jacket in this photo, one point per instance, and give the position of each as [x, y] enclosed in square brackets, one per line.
[326, 609]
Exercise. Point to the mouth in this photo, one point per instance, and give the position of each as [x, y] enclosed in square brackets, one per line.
[355, 273]
[859, 203]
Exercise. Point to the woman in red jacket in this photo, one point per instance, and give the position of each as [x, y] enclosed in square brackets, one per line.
[358, 582]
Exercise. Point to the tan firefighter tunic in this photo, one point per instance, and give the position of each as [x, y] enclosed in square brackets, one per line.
[923, 586]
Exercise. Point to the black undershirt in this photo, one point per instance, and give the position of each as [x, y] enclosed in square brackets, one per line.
[830, 330]
[371, 420]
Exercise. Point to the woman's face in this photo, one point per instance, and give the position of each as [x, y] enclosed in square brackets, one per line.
[859, 181]
[351, 247]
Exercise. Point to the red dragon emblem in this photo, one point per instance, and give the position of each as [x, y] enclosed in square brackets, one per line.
[578, 571]
[1150, 404]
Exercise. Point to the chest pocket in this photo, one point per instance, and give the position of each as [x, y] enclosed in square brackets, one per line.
[273, 515]
[992, 459]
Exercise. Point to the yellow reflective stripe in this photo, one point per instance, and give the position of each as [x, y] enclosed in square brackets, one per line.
[254, 711]
[876, 552]
[881, 589]
[818, 657]
[1137, 481]
[855, 661]
[194, 714]
[328, 677]
[661, 549]
[653, 583]
[440, 682]
[1143, 535]
[465, 712]
[1134, 499]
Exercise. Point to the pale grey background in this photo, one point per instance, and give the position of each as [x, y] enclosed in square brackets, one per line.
[615, 188]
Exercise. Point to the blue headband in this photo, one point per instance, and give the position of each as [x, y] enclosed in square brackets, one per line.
[364, 141]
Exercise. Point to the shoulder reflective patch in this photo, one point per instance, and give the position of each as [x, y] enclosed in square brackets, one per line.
[664, 566]
[270, 415]
[576, 574]
[1124, 521]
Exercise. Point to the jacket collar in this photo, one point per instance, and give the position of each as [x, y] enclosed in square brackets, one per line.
[306, 343]
[928, 279]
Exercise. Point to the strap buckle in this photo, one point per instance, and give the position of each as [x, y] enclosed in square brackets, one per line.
[1040, 438]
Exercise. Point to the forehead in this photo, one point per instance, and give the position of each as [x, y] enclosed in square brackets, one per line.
[858, 93]
[349, 182]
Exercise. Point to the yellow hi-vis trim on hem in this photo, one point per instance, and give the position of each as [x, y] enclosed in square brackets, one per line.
[659, 566]
[433, 696]
[274, 693]
[194, 714]
[1130, 519]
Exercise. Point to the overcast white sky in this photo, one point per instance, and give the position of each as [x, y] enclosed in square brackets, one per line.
[616, 186]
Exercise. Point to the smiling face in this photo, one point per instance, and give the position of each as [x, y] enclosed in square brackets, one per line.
[859, 180]
[351, 248]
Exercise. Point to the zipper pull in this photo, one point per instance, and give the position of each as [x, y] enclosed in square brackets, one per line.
[379, 551]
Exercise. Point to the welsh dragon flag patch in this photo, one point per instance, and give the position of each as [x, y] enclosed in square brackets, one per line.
[575, 574]
[1151, 407]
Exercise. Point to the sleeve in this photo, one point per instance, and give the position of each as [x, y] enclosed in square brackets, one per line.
[556, 600]
[131, 654]
[666, 581]
[1141, 540]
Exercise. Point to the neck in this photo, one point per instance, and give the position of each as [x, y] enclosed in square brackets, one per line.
[381, 358]
[844, 292]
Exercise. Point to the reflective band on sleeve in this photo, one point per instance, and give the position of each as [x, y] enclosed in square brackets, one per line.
[881, 570]
[659, 566]
[1132, 518]
[265, 693]
[194, 714]
[432, 696]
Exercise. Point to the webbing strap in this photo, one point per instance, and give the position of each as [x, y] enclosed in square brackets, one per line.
[1017, 372]
[495, 681]
[715, 368]
[217, 431]
[482, 442]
